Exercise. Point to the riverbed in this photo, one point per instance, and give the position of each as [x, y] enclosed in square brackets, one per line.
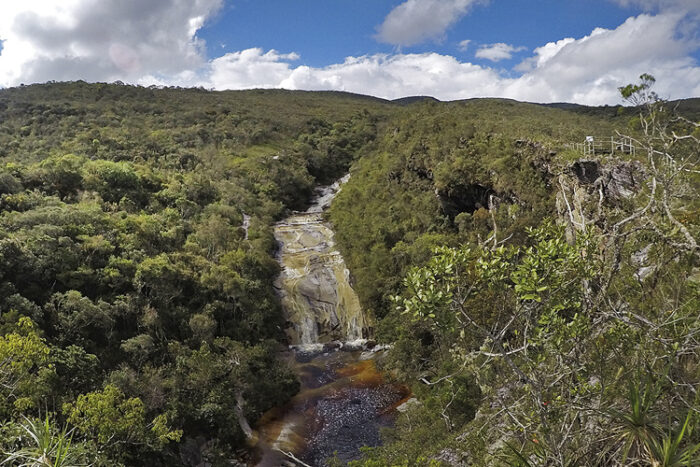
[344, 399]
[343, 403]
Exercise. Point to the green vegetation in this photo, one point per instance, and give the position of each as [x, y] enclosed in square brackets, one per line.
[547, 315]
[544, 309]
[137, 309]
[430, 181]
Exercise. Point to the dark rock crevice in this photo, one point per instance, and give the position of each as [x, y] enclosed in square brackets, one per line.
[586, 171]
[468, 197]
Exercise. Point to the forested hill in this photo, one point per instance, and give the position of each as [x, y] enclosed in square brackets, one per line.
[137, 307]
[543, 303]
[689, 108]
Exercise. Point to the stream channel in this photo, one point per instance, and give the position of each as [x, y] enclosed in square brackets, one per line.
[344, 400]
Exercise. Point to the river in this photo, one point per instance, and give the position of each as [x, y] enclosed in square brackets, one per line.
[344, 399]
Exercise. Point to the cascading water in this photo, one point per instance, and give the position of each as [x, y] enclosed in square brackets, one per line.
[344, 399]
[315, 284]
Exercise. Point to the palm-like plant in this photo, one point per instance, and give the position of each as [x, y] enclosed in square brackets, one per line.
[50, 447]
[668, 452]
[644, 440]
[637, 426]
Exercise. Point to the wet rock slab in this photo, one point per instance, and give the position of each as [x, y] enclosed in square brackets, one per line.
[314, 285]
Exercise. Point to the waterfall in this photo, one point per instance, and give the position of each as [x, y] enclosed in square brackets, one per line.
[344, 399]
[314, 284]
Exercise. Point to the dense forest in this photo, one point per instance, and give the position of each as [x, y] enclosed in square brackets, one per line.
[137, 260]
[542, 305]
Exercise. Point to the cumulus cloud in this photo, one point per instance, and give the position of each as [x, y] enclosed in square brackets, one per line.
[590, 69]
[393, 76]
[415, 21]
[250, 68]
[156, 42]
[99, 40]
[543, 54]
[587, 70]
[389, 76]
[497, 52]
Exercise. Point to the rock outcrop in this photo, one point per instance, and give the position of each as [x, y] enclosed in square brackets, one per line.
[618, 181]
[589, 185]
[314, 285]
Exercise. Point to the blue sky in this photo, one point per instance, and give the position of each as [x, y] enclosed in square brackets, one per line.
[534, 50]
[324, 32]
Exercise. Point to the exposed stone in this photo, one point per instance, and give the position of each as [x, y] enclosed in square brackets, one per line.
[640, 260]
[623, 180]
[408, 404]
[330, 346]
[314, 285]
[452, 458]
[618, 181]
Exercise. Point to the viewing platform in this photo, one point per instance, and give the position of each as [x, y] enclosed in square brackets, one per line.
[593, 145]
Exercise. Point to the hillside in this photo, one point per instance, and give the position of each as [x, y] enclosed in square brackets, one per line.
[527, 288]
[532, 296]
[435, 168]
[136, 235]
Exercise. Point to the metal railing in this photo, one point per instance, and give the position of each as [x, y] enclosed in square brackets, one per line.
[605, 145]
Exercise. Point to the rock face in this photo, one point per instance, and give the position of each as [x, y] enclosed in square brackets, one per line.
[588, 185]
[452, 458]
[624, 180]
[586, 171]
[315, 283]
[618, 181]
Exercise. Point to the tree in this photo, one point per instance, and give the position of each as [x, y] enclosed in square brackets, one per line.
[512, 316]
[640, 94]
[25, 368]
[113, 181]
[111, 419]
[564, 332]
[79, 320]
[671, 145]
[60, 175]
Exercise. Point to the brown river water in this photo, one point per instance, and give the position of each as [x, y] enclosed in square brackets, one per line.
[344, 399]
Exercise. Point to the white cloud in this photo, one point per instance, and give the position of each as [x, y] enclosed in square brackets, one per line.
[587, 70]
[543, 54]
[155, 42]
[393, 76]
[464, 45]
[250, 68]
[388, 76]
[99, 40]
[415, 21]
[497, 52]
[662, 5]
